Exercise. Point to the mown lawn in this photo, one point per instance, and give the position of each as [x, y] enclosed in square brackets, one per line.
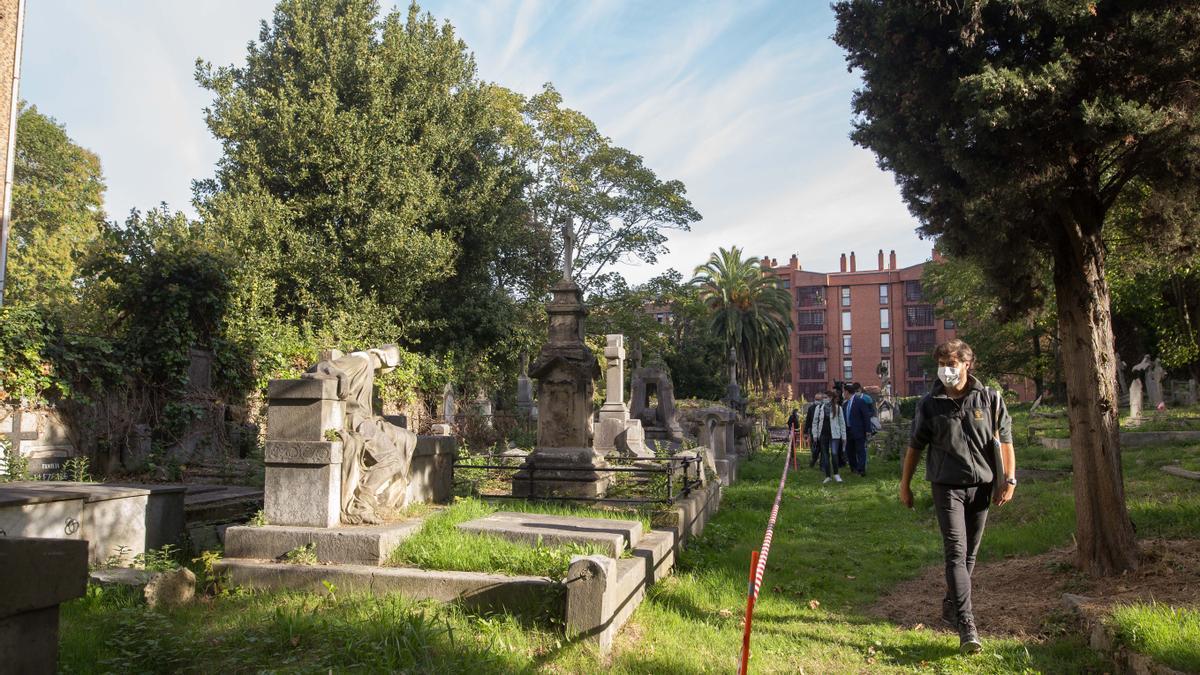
[837, 549]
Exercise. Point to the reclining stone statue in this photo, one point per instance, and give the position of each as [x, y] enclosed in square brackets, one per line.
[376, 454]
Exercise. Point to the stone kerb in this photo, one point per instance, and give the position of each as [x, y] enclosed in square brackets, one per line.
[303, 466]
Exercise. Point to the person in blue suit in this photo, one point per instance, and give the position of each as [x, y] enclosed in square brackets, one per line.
[859, 411]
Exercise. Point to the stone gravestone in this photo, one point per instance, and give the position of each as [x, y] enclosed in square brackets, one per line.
[449, 408]
[39, 575]
[652, 398]
[1154, 386]
[564, 463]
[617, 431]
[524, 388]
[1135, 400]
[335, 470]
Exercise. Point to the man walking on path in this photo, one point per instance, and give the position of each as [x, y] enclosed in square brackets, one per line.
[860, 409]
[970, 461]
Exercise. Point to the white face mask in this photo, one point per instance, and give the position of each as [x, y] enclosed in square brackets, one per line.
[948, 375]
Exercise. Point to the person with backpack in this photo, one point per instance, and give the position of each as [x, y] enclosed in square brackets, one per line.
[860, 425]
[966, 432]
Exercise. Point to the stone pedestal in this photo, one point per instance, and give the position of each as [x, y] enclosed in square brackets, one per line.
[564, 463]
[301, 456]
[39, 575]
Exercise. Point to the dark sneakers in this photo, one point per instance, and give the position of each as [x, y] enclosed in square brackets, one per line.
[968, 637]
[949, 614]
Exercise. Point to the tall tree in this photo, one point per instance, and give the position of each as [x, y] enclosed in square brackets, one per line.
[615, 206]
[57, 211]
[750, 311]
[1019, 346]
[1012, 130]
[366, 180]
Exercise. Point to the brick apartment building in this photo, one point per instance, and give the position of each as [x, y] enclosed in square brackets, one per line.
[848, 322]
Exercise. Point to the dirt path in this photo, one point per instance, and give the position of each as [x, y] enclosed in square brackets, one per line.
[1022, 597]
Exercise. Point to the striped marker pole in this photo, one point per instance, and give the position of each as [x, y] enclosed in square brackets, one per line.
[758, 561]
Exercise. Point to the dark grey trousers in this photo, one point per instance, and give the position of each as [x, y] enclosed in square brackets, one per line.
[962, 515]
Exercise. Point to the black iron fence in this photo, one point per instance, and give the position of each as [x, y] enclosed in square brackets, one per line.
[651, 480]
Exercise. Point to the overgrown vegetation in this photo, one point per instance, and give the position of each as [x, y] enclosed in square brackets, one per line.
[441, 546]
[1169, 635]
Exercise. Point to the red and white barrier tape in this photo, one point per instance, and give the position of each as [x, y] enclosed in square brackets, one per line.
[758, 559]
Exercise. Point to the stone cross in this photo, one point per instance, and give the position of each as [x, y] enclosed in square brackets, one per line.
[568, 251]
[614, 354]
[18, 432]
[1154, 386]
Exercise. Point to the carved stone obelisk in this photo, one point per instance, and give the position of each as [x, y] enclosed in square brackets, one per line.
[564, 462]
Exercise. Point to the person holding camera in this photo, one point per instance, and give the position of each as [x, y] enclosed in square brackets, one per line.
[966, 432]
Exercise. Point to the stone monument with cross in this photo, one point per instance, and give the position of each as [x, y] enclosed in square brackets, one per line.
[618, 433]
[564, 463]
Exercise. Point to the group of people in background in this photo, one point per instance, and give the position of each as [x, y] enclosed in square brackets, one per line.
[836, 426]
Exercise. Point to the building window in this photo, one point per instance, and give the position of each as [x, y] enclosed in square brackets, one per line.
[813, 318]
[916, 367]
[847, 369]
[883, 294]
[918, 316]
[811, 369]
[948, 324]
[913, 292]
[885, 318]
[810, 296]
[845, 320]
[920, 341]
[885, 343]
[846, 345]
[812, 344]
[787, 283]
[845, 296]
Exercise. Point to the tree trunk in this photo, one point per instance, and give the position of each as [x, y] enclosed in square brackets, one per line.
[1039, 378]
[1103, 530]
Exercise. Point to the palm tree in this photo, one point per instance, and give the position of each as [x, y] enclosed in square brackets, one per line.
[750, 311]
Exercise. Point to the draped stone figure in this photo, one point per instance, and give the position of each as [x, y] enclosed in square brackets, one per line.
[376, 454]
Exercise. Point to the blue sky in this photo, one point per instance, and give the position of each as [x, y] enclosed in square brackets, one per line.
[748, 103]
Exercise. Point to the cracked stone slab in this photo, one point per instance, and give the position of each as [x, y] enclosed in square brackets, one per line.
[530, 528]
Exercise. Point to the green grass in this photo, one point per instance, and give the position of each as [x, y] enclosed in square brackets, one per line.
[690, 622]
[441, 546]
[1169, 635]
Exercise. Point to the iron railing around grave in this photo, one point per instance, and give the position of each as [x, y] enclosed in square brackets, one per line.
[671, 478]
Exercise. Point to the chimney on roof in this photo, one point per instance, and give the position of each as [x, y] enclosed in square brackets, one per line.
[892, 259]
[773, 263]
[937, 255]
[766, 261]
[853, 265]
[843, 262]
[881, 260]
[794, 263]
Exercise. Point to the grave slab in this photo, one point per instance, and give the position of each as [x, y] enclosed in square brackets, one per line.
[349, 544]
[530, 528]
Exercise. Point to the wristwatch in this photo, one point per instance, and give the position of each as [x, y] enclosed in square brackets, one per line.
[1011, 481]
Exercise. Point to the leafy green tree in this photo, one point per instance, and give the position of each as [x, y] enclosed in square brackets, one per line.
[615, 206]
[750, 311]
[1012, 130]
[1022, 346]
[57, 211]
[366, 185]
